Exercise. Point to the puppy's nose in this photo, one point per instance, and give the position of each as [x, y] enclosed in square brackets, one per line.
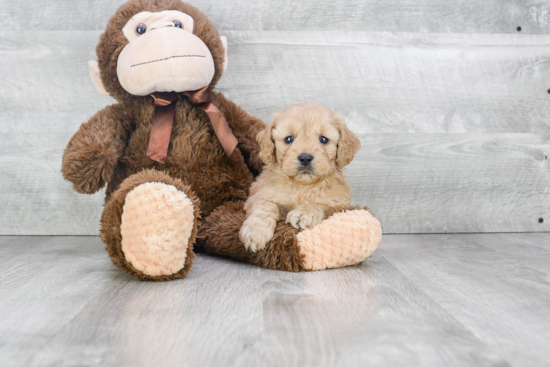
[305, 159]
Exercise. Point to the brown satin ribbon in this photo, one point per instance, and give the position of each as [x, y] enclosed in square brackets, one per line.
[164, 119]
[162, 126]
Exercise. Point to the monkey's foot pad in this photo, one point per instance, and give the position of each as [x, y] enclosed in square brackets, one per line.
[157, 222]
[344, 239]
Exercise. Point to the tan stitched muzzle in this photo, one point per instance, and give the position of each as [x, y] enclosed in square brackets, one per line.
[165, 59]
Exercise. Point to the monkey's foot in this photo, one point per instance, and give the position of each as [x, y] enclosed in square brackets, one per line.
[157, 225]
[346, 238]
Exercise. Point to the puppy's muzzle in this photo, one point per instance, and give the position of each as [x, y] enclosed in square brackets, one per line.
[305, 159]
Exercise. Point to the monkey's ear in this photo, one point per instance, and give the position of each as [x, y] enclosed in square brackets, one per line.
[224, 43]
[96, 79]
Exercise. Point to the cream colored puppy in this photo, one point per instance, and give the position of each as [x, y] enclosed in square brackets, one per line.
[305, 149]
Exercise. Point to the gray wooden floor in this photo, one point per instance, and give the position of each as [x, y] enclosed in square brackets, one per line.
[429, 300]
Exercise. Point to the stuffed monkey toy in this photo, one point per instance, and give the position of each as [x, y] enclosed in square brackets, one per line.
[178, 158]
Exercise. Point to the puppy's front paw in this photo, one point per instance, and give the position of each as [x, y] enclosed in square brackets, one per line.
[255, 233]
[304, 219]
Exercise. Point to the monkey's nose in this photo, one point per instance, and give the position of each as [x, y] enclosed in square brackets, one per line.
[305, 159]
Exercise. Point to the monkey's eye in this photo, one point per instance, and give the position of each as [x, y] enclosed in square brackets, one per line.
[178, 24]
[323, 140]
[141, 29]
[289, 139]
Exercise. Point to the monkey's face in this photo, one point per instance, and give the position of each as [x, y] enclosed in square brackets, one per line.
[163, 55]
[160, 46]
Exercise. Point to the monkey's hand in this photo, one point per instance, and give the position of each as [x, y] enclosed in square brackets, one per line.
[92, 154]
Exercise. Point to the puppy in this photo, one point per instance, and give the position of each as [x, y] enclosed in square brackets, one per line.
[305, 149]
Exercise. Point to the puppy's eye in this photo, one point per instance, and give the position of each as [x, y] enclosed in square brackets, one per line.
[323, 140]
[178, 24]
[289, 139]
[141, 29]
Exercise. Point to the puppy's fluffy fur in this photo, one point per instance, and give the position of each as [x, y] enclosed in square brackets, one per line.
[289, 186]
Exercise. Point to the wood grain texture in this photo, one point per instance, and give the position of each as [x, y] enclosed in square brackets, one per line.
[362, 316]
[421, 300]
[491, 88]
[58, 277]
[479, 283]
[414, 183]
[172, 318]
[464, 16]
[426, 183]
[379, 82]
[397, 83]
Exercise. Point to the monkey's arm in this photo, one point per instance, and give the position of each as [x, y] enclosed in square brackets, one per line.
[245, 128]
[92, 154]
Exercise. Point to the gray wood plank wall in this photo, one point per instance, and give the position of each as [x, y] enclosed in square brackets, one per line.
[450, 100]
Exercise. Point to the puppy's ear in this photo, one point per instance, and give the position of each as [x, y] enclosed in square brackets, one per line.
[267, 147]
[348, 144]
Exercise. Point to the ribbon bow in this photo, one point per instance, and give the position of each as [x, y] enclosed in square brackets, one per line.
[164, 119]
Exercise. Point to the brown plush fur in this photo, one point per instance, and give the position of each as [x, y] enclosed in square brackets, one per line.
[92, 154]
[111, 147]
[282, 253]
